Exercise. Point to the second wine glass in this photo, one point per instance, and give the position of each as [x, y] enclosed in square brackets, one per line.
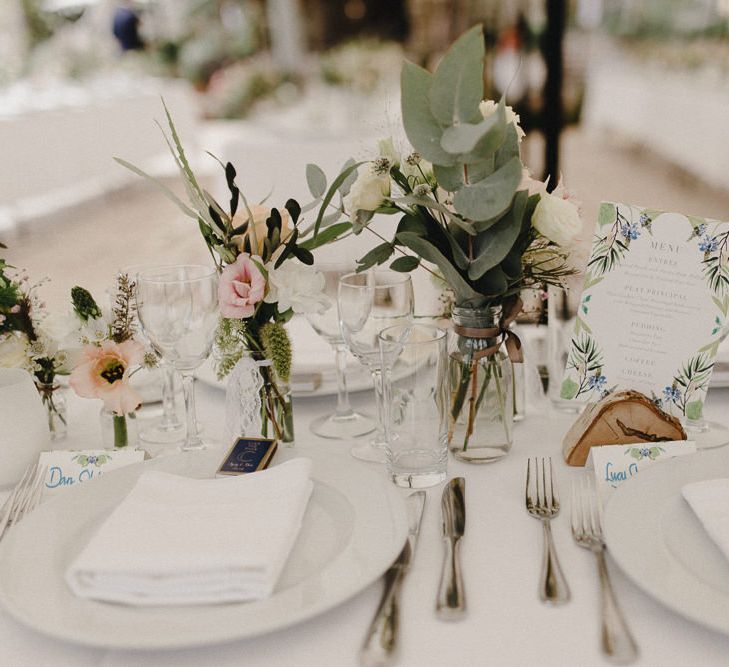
[178, 311]
[367, 303]
[344, 423]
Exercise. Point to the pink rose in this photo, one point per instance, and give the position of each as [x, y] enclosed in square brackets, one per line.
[103, 372]
[242, 285]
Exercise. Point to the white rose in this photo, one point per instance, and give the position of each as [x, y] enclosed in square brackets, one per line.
[13, 351]
[557, 219]
[297, 286]
[367, 192]
[489, 107]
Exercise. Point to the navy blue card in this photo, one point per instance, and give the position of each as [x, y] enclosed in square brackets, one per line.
[248, 455]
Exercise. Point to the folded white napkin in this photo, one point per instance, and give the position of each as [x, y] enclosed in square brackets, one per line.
[176, 540]
[709, 500]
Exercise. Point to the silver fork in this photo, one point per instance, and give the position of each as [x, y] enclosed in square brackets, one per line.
[542, 503]
[616, 640]
[24, 498]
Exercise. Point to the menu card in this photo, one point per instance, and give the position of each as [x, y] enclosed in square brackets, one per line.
[655, 300]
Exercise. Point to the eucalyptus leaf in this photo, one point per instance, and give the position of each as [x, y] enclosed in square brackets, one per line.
[361, 218]
[316, 180]
[492, 284]
[509, 148]
[411, 223]
[491, 196]
[347, 183]
[457, 86]
[338, 181]
[329, 219]
[422, 129]
[465, 294]
[405, 264]
[378, 255]
[493, 245]
[327, 236]
[449, 178]
[491, 140]
[459, 255]
[432, 204]
[462, 138]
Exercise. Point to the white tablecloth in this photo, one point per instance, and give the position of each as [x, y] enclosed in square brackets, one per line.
[506, 624]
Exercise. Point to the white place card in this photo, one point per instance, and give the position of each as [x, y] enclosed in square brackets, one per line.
[615, 464]
[655, 302]
[73, 467]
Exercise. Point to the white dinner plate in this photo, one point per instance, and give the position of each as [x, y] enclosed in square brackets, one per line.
[353, 528]
[658, 541]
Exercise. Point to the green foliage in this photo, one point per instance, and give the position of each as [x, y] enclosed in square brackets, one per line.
[478, 233]
[84, 304]
[230, 345]
[277, 348]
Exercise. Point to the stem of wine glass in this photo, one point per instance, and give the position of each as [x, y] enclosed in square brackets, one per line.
[344, 409]
[192, 438]
[169, 422]
[379, 437]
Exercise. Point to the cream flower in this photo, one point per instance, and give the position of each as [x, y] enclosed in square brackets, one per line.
[297, 286]
[367, 193]
[557, 219]
[259, 229]
[386, 149]
[13, 351]
[489, 107]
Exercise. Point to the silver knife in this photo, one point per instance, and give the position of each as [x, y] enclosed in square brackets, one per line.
[451, 602]
[380, 642]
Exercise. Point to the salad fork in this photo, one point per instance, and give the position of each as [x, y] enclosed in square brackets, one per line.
[617, 642]
[24, 498]
[542, 503]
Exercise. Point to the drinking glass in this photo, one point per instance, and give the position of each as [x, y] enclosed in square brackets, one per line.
[344, 423]
[415, 404]
[178, 311]
[367, 303]
[168, 428]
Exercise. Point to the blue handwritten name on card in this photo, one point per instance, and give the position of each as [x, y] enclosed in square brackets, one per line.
[68, 468]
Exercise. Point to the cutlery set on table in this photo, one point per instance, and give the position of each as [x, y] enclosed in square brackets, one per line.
[381, 640]
[542, 503]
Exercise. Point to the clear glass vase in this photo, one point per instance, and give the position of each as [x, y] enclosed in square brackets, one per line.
[118, 431]
[277, 410]
[54, 401]
[481, 408]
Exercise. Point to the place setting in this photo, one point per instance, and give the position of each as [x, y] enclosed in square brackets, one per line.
[422, 411]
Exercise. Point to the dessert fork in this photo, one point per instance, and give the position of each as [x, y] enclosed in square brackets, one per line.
[542, 503]
[24, 498]
[617, 642]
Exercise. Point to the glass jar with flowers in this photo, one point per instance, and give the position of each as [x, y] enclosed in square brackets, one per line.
[469, 211]
[34, 339]
[264, 259]
[107, 360]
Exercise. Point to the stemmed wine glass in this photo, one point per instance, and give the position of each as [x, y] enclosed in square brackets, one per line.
[178, 311]
[367, 303]
[344, 423]
[167, 429]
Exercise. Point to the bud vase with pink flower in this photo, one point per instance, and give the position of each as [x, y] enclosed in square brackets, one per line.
[264, 259]
[106, 364]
